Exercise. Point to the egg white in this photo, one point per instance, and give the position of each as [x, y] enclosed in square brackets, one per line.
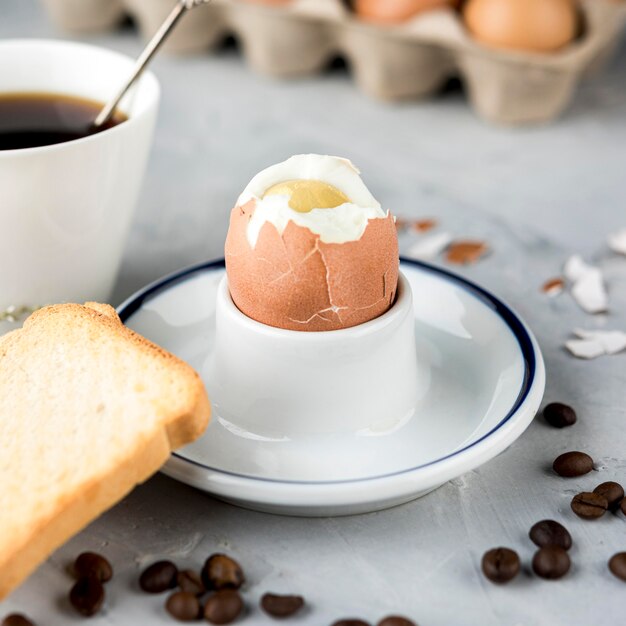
[346, 222]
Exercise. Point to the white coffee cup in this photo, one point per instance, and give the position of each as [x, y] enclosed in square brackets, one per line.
[65, 209]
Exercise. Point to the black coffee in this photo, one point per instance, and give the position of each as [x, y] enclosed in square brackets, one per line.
[31, 120]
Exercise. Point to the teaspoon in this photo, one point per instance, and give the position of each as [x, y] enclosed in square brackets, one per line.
[182, 6]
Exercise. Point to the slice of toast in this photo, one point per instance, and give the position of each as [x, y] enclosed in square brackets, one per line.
[88, 409]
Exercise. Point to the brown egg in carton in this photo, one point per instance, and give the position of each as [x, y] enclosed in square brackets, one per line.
[409, 60]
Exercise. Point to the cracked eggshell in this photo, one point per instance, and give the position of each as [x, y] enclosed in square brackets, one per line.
[296, 281]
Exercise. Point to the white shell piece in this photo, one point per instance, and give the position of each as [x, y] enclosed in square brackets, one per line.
[617, 241]
[585, 348]
[612, 341]
[588, 287]
[430, 246]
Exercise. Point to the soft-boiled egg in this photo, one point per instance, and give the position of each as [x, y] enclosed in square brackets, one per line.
[309, 248]
[534, 25]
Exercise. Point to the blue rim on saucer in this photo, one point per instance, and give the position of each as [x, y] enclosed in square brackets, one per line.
[512, 321]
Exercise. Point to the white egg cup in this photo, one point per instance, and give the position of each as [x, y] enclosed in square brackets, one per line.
[284, 384]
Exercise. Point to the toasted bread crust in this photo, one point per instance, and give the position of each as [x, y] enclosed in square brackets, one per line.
[73, 510]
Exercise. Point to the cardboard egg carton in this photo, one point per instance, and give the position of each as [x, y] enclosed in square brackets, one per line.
[410, 60]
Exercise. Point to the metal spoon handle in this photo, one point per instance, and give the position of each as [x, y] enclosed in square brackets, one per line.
[182, 6]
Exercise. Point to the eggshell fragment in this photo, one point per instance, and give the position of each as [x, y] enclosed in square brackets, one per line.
[553, 287]
[423, 226]
[612, 341]
[592, 344]
[584, 348]
[430, 246]
[588, 287]
[297, 282]
[617, 241]
[464, 252]
[533, 25]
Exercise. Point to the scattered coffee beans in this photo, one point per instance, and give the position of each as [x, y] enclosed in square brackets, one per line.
[550, 533]
[573, 464]
[589, 505]
[559, 415]
[183, 606]
[222, 572]
[281, 606]
[394, 620]
[617, 565]
[551, 562]
[223, 607]
[87, 596]
[16, 619]
[190, 582]
[350, 622]
[613, 492]
[158, 577]
[500, 565]
[92, 565]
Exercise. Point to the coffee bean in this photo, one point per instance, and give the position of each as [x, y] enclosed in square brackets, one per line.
[613, 492]
[394, 620]
[16, 619]
[617, 565]
[550, 533]
[87, 596]
[223, 607]
[93, 565]
[281, 606]
[183, 606]
[190, 582]
[623, 506]
[573, 464]
[350, 622]
[222, 572]
[559, 415]
[551, 562]
[589, 505]
[158, 577]
[500, 565]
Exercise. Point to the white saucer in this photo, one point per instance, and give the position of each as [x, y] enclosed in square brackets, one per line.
[485, 385]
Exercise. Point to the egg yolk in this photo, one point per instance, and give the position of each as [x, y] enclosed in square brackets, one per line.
[306, 195]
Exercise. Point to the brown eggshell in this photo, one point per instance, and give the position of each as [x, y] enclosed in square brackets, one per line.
[533, 25]
[297, 282]
[395, 11]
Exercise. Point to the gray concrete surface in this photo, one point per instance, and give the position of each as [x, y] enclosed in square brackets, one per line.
[536, 195]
